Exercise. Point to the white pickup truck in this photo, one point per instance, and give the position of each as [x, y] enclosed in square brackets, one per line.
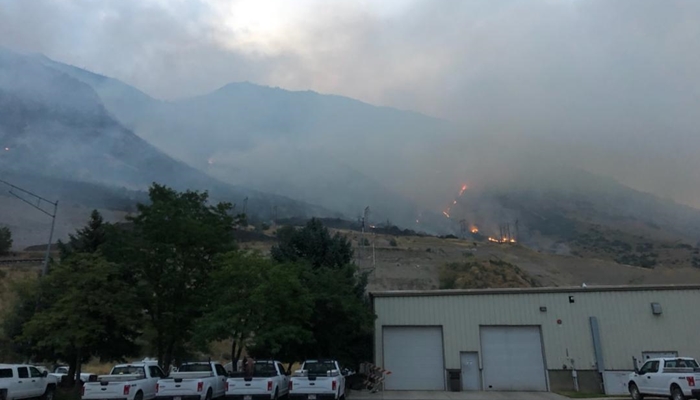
[269, 381]
[136, 381]
[25, 382]
[62, 371]
[194, 381]
[677, 378]
[318, 380]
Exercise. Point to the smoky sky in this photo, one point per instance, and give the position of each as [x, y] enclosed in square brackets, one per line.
[608, 86]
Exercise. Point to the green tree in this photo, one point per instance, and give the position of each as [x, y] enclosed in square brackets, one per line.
[170, 248]
[313, 244]
[87, 311]
[342, 319]
[88, 239]
[5, 240]
[21, 310]
[258, 305]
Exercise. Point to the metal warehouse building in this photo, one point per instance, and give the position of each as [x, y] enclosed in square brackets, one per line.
[537, 339]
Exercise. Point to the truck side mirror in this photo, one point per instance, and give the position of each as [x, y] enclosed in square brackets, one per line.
[45, 374]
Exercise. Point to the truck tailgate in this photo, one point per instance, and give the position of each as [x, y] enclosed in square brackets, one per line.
[180, 387]
[311, 385]
[106, 390]
[255, 386]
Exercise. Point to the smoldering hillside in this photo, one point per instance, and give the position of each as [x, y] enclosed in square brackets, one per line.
[343, 155]
[408, 168]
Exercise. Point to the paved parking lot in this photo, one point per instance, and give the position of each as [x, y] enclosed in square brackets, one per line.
[363, 395]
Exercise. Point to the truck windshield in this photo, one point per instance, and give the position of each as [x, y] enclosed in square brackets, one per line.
[6, 373]
[319, 367]
[128, 370]
[61, 370]
[195, 368]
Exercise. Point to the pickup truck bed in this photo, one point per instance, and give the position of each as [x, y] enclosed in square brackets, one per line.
[194, 381]
[318, 380]
[268, 382]
[126, 382]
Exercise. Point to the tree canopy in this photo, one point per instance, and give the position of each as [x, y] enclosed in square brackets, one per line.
[171, 280]
[5, 240]
[87, 239]
[258, 305]
[170, 251]
[342, 320]
[313, 244]
[86, 311]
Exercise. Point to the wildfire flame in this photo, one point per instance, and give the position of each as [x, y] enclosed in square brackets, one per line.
[475, 230]
[502, 240]
[464, 188]
[446, 214]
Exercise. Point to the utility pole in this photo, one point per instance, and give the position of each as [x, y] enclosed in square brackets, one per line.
[374, 239]
[365, 218]
[374, 234]
[360, 242]
[38, 206]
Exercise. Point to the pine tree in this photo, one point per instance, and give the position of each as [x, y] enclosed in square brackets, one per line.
[87, 239]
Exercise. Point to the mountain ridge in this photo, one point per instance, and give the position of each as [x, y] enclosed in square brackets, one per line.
[52, 124]
[344, 155]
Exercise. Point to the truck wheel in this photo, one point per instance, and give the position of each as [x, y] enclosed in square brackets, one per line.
[277, 394]
[677, 393]
[208, 395]
[634, 391]
[139, 395]
[48, 394]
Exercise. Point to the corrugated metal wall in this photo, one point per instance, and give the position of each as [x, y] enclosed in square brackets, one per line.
[627, 324]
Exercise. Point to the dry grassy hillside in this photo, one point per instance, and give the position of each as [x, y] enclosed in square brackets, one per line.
[414, 262]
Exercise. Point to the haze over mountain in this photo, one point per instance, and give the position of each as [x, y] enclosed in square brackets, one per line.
[606, 86]
[548, 112]
[345, 155]
[53, 126]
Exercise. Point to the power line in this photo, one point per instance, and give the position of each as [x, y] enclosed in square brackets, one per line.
[38, 206]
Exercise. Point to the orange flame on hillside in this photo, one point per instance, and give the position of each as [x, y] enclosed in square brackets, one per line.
[464, 188]
[502, 240]
[475, 230]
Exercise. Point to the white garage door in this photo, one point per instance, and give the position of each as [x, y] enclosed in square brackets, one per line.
[512, 358]
[414, 357]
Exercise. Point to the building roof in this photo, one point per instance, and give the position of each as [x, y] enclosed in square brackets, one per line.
[571, 289]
